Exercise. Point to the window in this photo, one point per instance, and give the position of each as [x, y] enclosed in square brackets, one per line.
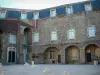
[36, 15]
[36, 37]
[53, 35]
[88, 7]
[69, 9]
[53, 12]
[12, 39]
[71, 34]
[2, 14]
[23, 15]
[52, 54]
[91, 31]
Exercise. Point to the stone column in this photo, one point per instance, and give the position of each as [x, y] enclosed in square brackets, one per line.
[29, 49]
[18, 45]
[22, 55]
[62, 53]
[82, 56]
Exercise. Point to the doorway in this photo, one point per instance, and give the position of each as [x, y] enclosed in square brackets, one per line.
[72, 55]
[52, 55]
[11, 55]
[91, 53]
[88, 56]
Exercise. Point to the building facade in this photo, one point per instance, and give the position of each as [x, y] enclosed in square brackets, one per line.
[66, 34]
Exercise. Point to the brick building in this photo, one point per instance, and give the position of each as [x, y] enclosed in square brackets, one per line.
[66, 34]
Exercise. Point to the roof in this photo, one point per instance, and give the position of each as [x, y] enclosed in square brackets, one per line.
[77, 7]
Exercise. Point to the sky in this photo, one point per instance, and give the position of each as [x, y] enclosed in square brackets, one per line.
[35, 4]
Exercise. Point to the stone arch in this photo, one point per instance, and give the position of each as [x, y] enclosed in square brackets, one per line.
[90, 44]
[72, 54]
[26, 29]
[52, 55]
[92, 52]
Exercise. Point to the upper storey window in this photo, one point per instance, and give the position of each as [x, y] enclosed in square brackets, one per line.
[2, 14]
[36, 37]
[12, 39]
[71, 34]
[53, 12]
[36, 15]
[69, 9]
[23, 15]
[88, 7]
[91, 31]
[53, 35]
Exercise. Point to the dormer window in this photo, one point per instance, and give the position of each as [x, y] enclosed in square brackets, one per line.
[53, 12]
[88, 7]
[36, 15]
[2, 14]
[69, 9]
[23, 15]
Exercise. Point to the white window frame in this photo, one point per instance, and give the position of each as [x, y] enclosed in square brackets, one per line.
[69, 9]
[23, 15]
[54, 12]
[88, 7]
[54, 36]
[70, 33]
[35, 37]
[91, 31]
[3, 14]
[36, 15]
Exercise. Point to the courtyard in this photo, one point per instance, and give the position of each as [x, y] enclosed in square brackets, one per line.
[52, 69]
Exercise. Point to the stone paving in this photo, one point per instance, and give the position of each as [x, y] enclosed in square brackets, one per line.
[44, 69]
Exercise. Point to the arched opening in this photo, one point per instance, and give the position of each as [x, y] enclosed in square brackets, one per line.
[52, 55]
[27, 42]
[72, 55]
[92, 52]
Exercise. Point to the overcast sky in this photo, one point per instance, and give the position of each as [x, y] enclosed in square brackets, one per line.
[34, 4]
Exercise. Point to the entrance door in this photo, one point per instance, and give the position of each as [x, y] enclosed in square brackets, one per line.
[88, 56]
[59, 59]
[11, 55]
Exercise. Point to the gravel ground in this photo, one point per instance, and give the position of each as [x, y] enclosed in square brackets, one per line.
[52, 69]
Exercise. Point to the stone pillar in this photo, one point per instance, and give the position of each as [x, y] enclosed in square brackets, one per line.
[18, 45]
[82, 56]
[1, 69]
[22, 51]
[62, 52]
[29, 48]
[4, 48]
[30, 57]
